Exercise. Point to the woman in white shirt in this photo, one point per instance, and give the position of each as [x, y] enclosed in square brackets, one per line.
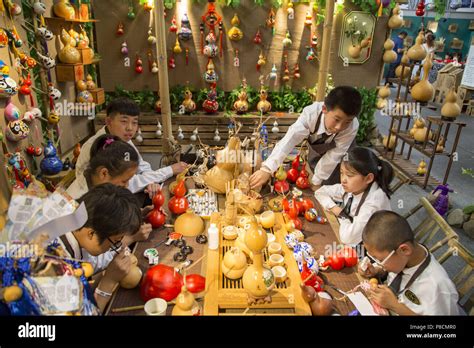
[364, 189]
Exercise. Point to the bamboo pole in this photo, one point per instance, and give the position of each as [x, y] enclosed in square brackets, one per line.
[325, 51]
[163, 77]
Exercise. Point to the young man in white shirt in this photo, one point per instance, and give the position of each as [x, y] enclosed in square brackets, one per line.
[330, 128]
[417, 283]
[122, 121]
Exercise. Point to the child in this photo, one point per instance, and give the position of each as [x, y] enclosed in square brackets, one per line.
[122, 121]
[363, 191]
[329, 127]
[417, 283]
[111, 161]
[112, 214]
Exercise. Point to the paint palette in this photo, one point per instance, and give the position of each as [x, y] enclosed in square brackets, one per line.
[203, 202]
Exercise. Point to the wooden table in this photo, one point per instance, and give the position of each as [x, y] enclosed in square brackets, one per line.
[319, 236]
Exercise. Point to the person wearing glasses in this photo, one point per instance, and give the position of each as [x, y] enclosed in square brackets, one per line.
[112, 213]
[416, 283]
[364, 189]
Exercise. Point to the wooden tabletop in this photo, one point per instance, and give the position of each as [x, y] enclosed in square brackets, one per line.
[319, 236]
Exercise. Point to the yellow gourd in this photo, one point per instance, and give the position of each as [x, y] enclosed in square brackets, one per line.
[132, 279]
[68, 54]
[389, 55]
[417, 51]
[354, 51]
[388, 145]
[234, 263]
[186, 304]
[450, 109]
[421, 168]
[64, 9]
[403, 62]
[234, 33]
[423, 91]
[177, 48]
[264, 105]
[189, 224]
[384, 92]
[395, 20]
[12, 293]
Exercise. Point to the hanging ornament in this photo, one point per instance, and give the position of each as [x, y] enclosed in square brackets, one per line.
[185, 33]
[311, 55]
[261, 60]
[154, 68]
[286, 72]
[187, 56]
[139, 137]
[53, 92]
[275, 128]
[193, 137]
[234, 33]
[158, 111]
[150, 60]
[309, 18]
[210, 105]
[120, 29]
[44, 33]
[287, 40]
[159, 127]
[3, 38]
[177, 48]
[210, 49]
[138, 64]
[11, 112]
[274, 73]
[53, 118]
[50, 164]
[17, 130]
[420, 9]
[180, 135]
[148, 5]
[131, 11]
[211, 19]
[290, 10]
[20, 178]
[39, 8]
[217, 137]
[271, 20]
[296, 71]
[258, 37]
[151, 38]
[210, 76]
[47, 61]
[171, 63]
[314, 40]
[124, 49]
[173, 26]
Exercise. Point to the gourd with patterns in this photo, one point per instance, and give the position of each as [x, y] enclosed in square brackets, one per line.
[264, 105]
[188, 103]
[423, 91]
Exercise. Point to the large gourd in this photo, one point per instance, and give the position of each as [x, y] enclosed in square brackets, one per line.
[423, 91]
[417, 51]
[395, 20]
[450, 109]
[234, 263]
[389, 55]
[403, 62]
[189, 224]
[64, 9]
[68, 54]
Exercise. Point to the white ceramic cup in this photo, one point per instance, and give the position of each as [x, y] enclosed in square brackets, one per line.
[270, 238]
[276, 260]
[274, 248]
[156, 306]
[280, 274]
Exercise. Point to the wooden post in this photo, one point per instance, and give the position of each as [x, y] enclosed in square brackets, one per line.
[163, 77]
[326, 50]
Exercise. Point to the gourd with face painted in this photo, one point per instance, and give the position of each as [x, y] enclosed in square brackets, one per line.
[8, 87]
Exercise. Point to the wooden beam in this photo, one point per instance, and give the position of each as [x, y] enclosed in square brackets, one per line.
[326, 51]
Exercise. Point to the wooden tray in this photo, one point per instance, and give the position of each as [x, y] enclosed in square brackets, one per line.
[225, 296]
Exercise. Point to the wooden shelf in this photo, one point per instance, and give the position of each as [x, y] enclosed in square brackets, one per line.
[72, 20]
[427, 150]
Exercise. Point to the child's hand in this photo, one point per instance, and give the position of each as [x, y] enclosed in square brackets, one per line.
[143, 233]
[152, 189]
[179, 167]
[336, 210]
[258, 179]
[315, 187]
[118, 267]
[146, 210]
[383, 296]
[370, 272]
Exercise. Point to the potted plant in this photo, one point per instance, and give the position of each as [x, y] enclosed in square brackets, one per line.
[357, 32]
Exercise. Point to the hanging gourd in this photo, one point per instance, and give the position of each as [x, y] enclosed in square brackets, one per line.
[234, 33]
[151, 38]
[185, 33]
[389, 55]
[287, 40]
[211, 49]
[296, 71]
[68, 54]
[290, 11]
[423, 91]
[50, 164]
[403, 66]
[120, 29]
[139, 137]
[211, 19]
[270, 22]
[177, 48]
[261, 61]
[173, 26]
[131, 11]
[210, 76]
[420, 8]
[217, 137]
[258, 37]
[17, 130]
[417, 51]
[450, 109]
[395, 20]
[309, 18]
[273, 73]
[286, 71]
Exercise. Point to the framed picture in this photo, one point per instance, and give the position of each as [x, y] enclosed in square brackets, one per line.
[433, 26]
[407, 23]
[453, 28]
[356, 37]
[457, 44]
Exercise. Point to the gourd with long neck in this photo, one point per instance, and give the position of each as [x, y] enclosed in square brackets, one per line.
[417, 51]
[423, 91]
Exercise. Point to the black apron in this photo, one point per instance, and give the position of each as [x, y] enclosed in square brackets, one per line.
[318, 149]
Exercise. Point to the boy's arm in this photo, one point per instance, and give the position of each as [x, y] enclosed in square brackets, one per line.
[326, 165]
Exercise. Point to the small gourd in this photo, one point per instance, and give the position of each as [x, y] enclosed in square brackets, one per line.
[186, 304]
[395, 20]
[421, 168]
[389, 55]
[403, 62]
[450, 109]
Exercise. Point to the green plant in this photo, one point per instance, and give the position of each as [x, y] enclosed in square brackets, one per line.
[440, 9]
[145, 99]
[202, 96]
[356, 31]
[366, 117]
[468, 171]
[259, 2]
[468, 210]
[371, 6]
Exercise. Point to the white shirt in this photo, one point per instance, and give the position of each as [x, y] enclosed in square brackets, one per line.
[145, 174]
[99, 263]
[434, 290]
[350, 233]
[300, 130]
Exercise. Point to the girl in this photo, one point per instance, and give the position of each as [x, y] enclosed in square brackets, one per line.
[111, 161]
[363, 191]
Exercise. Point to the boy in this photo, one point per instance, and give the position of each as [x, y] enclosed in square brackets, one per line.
[417, 283]
[113, 213]
[329, 127]
[122, 121]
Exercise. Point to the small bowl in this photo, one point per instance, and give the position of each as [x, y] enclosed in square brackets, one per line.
[274, 248]
[270, 238]
[267, 219]
[244, 220]
[276, 260]
[156, 306]
[280, 274]
[230, 232]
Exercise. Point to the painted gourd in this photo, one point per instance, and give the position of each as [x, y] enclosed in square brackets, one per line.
[50, 164]
[64, 9]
